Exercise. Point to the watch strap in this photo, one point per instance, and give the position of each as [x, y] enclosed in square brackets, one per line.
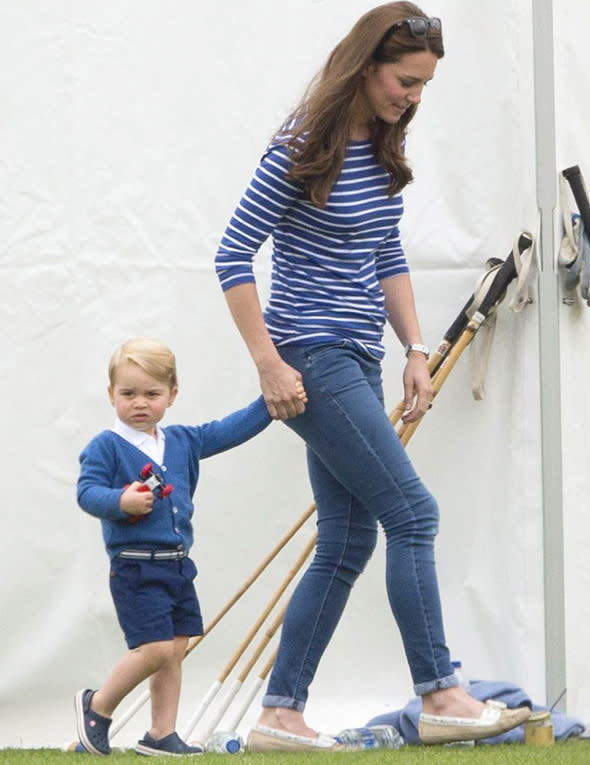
[417, 347]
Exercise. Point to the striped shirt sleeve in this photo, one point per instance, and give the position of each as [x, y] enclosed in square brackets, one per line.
[269, 195]
[390, 260]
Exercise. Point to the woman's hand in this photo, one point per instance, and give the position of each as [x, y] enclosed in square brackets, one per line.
[418, 392]
[281, 385]
[283, 391]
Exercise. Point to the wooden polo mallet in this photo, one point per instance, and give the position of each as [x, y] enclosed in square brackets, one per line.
[451, 335]
[463, 330]
[253, 691]
[218, 683]
[269, 633]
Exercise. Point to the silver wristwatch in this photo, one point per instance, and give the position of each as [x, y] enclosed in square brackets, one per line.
[417, 347]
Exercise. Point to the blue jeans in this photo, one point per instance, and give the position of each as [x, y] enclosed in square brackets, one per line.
[361, 476]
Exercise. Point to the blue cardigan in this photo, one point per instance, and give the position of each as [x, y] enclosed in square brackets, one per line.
[109, 463]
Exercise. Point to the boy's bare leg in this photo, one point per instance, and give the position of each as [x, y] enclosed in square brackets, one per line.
[165, 691]
[138, 664]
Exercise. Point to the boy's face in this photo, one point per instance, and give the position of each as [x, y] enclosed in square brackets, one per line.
[139, 399]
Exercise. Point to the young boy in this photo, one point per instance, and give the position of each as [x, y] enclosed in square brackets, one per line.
[148, 535]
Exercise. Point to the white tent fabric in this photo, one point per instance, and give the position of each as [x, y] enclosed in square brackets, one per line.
[129, 131]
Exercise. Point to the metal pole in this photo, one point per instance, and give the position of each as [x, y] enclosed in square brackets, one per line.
[549, 355]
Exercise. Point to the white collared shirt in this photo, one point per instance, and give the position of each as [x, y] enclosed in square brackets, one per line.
[152, 447]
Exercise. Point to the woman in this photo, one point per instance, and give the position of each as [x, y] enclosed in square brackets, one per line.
[328, 191]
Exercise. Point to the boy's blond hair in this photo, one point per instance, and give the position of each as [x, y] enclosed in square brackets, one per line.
[156, 359]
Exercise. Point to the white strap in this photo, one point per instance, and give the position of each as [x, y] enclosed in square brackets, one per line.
[569, 258]
[483, 285]
[522, 263]
[481, 344]
[574, 251]
[479, 354]
[479, 361]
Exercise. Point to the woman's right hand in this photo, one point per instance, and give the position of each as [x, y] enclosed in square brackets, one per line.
[283, 391]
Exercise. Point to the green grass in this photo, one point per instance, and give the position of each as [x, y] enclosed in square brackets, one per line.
[564, 753]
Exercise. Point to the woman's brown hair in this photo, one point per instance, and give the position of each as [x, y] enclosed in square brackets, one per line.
[320, 126]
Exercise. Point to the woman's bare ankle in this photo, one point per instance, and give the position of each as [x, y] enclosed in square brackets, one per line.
[451, 702]
[290, 720]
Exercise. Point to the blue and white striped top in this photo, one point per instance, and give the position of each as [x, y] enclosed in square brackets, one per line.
[326, 263]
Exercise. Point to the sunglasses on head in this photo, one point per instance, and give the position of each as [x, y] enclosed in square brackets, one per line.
[419, 27]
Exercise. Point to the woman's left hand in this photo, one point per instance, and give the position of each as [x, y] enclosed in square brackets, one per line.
[418, 392]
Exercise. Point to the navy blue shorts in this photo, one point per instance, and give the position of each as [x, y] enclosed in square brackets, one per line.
[155, 600]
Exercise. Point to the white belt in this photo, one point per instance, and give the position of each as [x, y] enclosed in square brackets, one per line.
[153, 554]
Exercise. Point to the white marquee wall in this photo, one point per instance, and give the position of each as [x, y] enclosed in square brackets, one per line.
[572, 68]
[129, 131]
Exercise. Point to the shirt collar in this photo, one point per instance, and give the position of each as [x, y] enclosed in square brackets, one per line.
[141, 440]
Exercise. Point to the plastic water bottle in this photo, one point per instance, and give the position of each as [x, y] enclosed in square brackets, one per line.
[74, 746]
[225, 742]
[463, 681]
[374, 737]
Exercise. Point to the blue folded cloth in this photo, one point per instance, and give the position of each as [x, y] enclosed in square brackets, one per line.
[406, 719]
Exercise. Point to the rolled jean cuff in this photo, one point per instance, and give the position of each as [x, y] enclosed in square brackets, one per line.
[450, 681]
[283, 701]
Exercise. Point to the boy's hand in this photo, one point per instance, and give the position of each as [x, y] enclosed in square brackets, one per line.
[135, 500]
[282, 389]
[300, 391]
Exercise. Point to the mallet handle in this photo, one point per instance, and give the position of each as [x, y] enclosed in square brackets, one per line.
[573, 176]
